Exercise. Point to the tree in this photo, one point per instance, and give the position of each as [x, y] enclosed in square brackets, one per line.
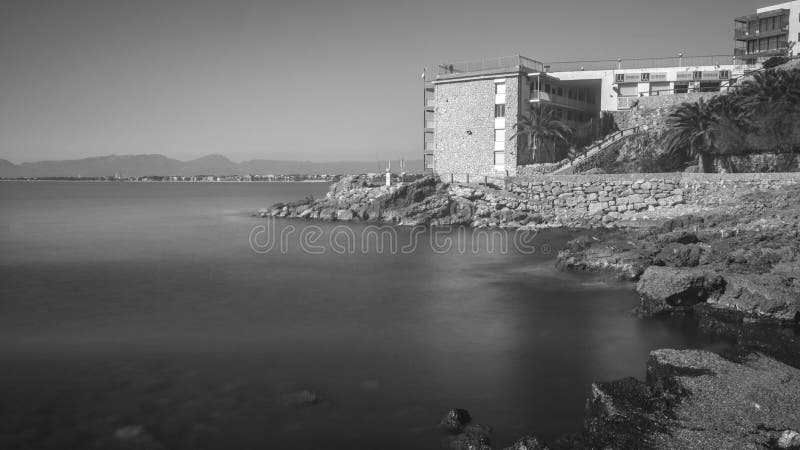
[692, 131]
[542, 126]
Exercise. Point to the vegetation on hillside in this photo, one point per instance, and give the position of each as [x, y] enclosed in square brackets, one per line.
[761, 116]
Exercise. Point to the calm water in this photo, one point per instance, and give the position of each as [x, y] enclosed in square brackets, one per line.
[144, 304]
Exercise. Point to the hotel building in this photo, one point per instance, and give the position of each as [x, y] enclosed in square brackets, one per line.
[470, 108]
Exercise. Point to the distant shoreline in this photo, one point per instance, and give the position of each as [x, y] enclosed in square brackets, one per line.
[151, 182]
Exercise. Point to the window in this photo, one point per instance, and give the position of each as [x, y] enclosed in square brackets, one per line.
[560, 91]
[582, 94]
[547, 87]
[499, 158]
[499, 111]
[429, 161]
[569, 115]
[620, 77]
[500, 88]
[499, 135]
[645, 76]
[681, 88]
[697, 75]
[724, 74]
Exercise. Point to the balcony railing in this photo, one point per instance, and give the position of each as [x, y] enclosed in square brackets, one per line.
[560, 100]
[491, 64]
[741, 34]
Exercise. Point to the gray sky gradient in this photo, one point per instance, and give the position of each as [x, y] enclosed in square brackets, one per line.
[304, 79]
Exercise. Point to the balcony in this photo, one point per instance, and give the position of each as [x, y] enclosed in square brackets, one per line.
[559, 100]
[741, 34]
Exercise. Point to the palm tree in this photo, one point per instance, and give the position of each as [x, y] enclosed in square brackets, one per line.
[693, 129]
[541, 126]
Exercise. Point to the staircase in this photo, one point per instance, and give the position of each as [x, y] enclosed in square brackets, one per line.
[596, 148]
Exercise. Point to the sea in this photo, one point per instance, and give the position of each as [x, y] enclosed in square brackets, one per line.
[169, 314]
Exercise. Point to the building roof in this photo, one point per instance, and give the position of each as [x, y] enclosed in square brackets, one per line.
[761, 15]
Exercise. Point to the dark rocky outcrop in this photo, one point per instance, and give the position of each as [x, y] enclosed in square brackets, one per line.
[696, 399]
[455, 420]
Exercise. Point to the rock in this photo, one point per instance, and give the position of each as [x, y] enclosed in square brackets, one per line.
[344, 214]
[761, 295]
[789, 439]
[455, 420]
[473, 437]
[718, 403]
[136, 437]
[528, 443]
[667, 288]
[680, 255]
[304, 397]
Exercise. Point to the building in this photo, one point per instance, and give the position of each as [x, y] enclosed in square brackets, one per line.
[471, 108]
[767, 33]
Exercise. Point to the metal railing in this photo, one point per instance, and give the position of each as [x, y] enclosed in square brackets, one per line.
[641, 63]
[599, 146]
[504, 62]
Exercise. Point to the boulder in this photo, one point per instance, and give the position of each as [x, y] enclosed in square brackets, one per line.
[528, 443]
[455, 420]
[664, 289]
[789, 439]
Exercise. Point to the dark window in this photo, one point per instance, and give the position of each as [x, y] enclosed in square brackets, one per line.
[645, 77]
[429, 161]
[582, 94]
[620, 77]
[682, 88]
[569, 115]
[560, 91]
[499, 110]
[724, 74]
[697, 75]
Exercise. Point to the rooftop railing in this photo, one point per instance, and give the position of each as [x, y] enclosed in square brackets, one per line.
[641, 63]
[490, 64]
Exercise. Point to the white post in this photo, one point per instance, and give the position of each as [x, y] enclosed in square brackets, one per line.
[389, 174]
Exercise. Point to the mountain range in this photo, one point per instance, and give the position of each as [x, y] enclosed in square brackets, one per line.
[160, 165]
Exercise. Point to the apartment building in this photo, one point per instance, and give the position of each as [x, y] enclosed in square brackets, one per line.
[471, 108]
[767, 33]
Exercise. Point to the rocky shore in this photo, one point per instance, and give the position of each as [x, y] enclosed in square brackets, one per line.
[728, 258]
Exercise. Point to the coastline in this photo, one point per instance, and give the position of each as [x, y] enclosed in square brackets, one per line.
[728, 260]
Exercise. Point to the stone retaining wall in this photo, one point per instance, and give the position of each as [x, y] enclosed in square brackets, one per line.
[609, 197]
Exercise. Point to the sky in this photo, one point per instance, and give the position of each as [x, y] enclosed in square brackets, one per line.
[321, 80]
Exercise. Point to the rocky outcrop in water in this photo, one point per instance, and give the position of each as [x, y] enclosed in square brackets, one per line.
[743, 256]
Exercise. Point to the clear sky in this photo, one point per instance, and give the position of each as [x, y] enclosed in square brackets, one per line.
[302, 79]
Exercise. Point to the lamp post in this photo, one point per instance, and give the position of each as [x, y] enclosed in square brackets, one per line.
[680, 59]
[619, 63]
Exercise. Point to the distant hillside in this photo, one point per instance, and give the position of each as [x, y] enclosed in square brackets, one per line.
[145, 165]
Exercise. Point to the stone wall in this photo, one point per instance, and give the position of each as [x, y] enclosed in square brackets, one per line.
[464, 138]
[653, 110]
[611, 197]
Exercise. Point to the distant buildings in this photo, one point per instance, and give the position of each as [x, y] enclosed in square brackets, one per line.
[470, 108]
